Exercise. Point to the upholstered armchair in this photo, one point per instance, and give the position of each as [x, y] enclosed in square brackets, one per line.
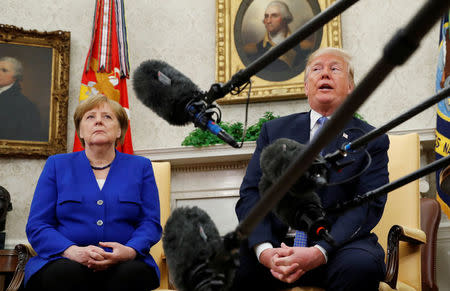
[430, 216]
[399, 230]
[162, 176]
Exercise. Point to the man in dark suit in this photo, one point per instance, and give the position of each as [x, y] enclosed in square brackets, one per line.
[268, 259]
[19, 117]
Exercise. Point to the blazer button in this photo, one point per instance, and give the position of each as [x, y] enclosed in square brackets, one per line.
[99, 202]
[99, 222]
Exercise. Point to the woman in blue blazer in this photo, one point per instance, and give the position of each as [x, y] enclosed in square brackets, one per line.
[95, 213]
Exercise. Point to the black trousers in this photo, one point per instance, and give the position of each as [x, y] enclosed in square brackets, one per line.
[68, 275]
[348, 269]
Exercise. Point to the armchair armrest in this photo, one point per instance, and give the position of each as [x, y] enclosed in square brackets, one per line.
[24, 253]
[396, 234]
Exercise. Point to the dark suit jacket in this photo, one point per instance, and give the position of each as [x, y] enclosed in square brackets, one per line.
[279, 70]
[69, 208]
[352, 226]
[19, 117]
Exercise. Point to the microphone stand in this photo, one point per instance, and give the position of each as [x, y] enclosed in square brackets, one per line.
[363, 140]
[372, 195]
[395, 53]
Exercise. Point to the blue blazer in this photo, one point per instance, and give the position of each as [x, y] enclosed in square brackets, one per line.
[69, 208]
[351, 228]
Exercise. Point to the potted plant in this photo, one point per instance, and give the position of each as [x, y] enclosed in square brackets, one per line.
[201, 138]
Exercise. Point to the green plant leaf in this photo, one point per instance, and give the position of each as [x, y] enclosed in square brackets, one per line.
[199, 138]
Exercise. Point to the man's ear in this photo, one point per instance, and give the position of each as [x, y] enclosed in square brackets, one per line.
[351, 86]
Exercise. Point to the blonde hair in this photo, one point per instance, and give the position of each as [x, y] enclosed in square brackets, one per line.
[95, 101]
[332, 51]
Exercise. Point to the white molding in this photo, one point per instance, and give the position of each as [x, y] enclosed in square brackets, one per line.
[224, 153]
[206, 194]
[192, 155]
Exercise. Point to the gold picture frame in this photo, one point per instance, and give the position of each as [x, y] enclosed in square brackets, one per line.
[36, 126]
[240, 35]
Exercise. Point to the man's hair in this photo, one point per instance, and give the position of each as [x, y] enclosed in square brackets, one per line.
[18, 68]
[333, 51]
[284, 10]
[95, 101]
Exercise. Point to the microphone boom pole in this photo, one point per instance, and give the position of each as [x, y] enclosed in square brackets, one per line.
[363, 140]
[371, 195]
[396, 52]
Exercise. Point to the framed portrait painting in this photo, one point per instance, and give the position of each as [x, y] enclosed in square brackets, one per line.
[246, 29]
[34, 81]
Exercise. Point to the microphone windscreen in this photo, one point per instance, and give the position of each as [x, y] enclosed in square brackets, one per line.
[190, 239]
[275, 159]
[166, 94]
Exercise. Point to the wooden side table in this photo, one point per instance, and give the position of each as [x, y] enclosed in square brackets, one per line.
[8, 264]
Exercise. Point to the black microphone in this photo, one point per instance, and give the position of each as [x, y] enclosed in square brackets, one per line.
[197, 257]
[175, 98]
[301, 207]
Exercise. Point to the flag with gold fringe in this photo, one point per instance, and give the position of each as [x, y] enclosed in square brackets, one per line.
[442, 147]
[107, 67]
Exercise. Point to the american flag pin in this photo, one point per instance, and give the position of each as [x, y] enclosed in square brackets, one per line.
[345, 135]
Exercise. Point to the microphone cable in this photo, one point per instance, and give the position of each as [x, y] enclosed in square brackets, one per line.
[247, 102]
[236, 91]
[369, 162]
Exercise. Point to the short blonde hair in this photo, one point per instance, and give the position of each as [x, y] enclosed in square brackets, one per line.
[95, 101]
[332, 51]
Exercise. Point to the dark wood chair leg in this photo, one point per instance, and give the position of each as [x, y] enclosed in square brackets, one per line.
[24, 253]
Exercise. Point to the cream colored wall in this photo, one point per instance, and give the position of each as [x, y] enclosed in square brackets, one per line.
[183, 34]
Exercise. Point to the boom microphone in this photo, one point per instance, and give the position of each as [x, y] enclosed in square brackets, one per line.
[175, 98]
[301, 207]
[196, 256]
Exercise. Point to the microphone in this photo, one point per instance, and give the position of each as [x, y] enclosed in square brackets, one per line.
[301, 207]
[197, 257]
[175, 98]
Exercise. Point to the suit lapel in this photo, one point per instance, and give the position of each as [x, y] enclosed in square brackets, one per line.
[344, 137]
[302, 129]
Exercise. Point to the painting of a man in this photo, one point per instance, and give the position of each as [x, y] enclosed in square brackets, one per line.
[277, 19]
[19, 117]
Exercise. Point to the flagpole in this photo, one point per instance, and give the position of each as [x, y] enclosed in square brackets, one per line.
[107, 64]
